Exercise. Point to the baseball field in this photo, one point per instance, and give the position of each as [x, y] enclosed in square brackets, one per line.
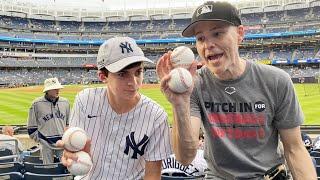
[14, 103]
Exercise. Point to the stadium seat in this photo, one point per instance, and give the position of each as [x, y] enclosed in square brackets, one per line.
[6, 155]
[318, 172]
[33, 159]
[315, 153]
[34, 176]
[11, 167]
[166, 177]
[54, 168]
[317, 160]
[11, 176]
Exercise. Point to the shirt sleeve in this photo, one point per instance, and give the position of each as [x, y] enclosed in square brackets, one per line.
[288, 112]
[32, 124]
[159, 147]
[77, 114]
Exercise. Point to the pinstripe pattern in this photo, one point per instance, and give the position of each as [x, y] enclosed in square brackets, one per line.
[108, 131]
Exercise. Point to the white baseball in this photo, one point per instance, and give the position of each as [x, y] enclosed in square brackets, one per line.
[82, 166]
[182, 56]
[74, 139]
[181, 80]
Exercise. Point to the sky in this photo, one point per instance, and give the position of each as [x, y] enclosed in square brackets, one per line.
[118, 4]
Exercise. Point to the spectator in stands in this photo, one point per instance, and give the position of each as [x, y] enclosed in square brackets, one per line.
[243, 106]
[316, 144]
[129, 131]
[7, 134]
[172, 167]
[48, 118]
[306, 139]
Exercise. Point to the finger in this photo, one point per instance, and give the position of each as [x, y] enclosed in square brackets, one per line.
[60, 143]
[66, 162]
[159, 67]
[193, 68]
[87, 146]
[164, 83]
[70, 155]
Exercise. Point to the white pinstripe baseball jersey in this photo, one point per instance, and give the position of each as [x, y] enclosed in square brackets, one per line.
[121, 143]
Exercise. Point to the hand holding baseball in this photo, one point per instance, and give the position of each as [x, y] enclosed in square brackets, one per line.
[164, 67]
[76, 154]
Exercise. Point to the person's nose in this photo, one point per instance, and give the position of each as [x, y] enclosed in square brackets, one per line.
[132, 80]
[209, 44]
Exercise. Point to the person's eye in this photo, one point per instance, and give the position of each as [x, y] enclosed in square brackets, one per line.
[139, 72]
[121, 74]
[217, 34]
[200, 38]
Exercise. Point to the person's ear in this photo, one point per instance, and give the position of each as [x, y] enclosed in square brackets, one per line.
[240, 34]
[102, 76]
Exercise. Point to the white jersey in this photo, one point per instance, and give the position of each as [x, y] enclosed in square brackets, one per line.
[197, 167]
[121, 143]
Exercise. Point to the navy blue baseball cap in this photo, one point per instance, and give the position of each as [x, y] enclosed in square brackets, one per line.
[213, 11]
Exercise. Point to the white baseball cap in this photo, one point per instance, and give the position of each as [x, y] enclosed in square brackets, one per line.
[119, 52]
[51, 83]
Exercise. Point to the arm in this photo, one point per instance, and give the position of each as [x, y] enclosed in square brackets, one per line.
[185, 134]
[185, 129]
[33, 124]
[296, 154]
[153, 170]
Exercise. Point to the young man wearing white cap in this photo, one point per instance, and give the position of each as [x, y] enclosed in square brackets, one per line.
[48, 117]
[244, 107]
[129, 132]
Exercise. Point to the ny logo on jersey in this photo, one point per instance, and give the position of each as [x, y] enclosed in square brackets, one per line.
[130, 142]
[126, 46]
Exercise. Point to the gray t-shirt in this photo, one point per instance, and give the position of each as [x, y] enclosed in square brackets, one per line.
[241, 119]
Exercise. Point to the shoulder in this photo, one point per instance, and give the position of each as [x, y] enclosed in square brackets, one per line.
[91, 92]
[62, 99]
[269, 71]
[38, 100]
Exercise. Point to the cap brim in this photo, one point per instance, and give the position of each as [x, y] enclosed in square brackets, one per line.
[53, 87]
[119, 65]
[189, 30]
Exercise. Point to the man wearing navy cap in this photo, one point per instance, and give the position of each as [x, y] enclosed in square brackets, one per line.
[244, 107]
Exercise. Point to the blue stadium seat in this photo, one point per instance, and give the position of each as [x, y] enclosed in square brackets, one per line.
[34, 176]
[6, 153]
[317, 160]
[315, 153]
[166, 177]
[11, 176]
[318, 172]
[11, 167]
[54, 168]
[33, 159]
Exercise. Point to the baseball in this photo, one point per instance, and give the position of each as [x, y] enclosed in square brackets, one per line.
[182, 56]
[82, 166]
[181, 80]
[74, 139]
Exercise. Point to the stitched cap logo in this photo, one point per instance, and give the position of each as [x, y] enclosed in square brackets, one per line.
[125, 46]
[204, 9]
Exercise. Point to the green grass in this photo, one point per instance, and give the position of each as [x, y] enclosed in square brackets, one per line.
[15, 103]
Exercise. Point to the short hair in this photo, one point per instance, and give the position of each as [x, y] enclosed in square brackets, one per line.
[136, 64]
[6, 129]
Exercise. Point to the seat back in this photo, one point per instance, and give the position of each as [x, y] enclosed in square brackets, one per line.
[11, 176]
[54, 168]
[33, 159]
[315, 153]
[34, 176]
[6, 155]
[165, 177]
[11, 167]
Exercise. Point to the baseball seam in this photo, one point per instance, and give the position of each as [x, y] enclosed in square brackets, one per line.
[183, 80]
[70, 137]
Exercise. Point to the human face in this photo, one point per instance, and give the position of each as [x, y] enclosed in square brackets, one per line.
[53, 93]
[124, 85]
[217, 43]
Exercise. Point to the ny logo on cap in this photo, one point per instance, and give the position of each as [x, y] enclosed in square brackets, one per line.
[204, 9]
[126, 46]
